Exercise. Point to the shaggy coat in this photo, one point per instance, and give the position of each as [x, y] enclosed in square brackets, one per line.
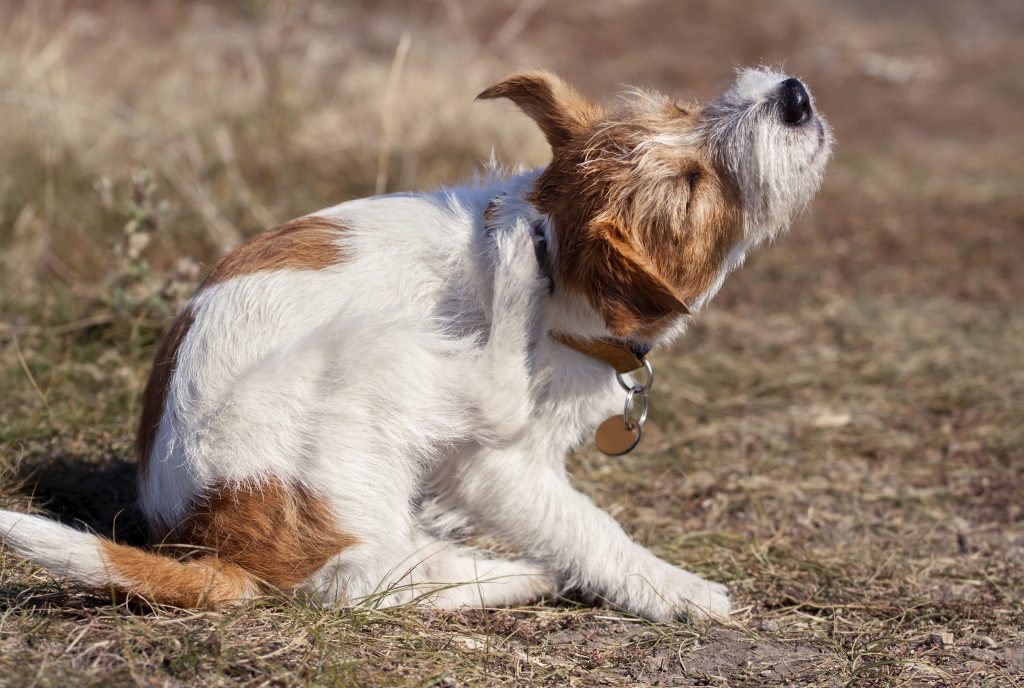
[345, 395]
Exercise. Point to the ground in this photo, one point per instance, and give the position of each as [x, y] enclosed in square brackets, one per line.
[840, 439]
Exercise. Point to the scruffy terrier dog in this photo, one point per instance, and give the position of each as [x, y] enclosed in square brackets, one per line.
[345, 394]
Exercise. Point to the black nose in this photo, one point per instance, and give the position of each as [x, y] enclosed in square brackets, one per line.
[796, 104]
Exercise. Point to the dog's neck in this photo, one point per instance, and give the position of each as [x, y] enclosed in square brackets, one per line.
[623, 356]
[572, 321]
[616, 436]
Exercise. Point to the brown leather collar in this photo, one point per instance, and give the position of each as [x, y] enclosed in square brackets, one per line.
[621, 357]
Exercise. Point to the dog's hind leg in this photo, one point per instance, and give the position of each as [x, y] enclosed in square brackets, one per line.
[505, 381]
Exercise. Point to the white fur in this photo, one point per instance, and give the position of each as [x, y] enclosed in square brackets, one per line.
[778, 166]
[58, 548]
[415, 385]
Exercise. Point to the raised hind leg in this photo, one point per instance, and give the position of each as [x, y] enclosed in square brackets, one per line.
[504, 381]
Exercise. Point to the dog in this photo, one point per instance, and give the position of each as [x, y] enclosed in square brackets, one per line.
[345, 395]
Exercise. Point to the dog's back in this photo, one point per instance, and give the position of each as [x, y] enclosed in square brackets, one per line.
[318, 360]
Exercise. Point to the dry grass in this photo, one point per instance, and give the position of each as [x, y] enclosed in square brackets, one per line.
[842, 441]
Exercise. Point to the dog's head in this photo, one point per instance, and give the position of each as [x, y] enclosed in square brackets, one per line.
[652, 202]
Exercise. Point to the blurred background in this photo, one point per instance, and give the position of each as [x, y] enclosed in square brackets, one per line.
[845, 426]
[248, 113]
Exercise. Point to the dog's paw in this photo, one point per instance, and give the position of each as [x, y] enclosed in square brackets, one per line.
[517, 273]
[704, 599]
[681, 594]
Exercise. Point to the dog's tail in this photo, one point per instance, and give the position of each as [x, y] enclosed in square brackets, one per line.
[101, 564]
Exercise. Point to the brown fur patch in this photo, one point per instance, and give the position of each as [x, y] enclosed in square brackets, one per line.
[202, 582]
[560, 112]
[621, 283]
[308, 243]
[156, 388]
[632, 236]
[279, 533]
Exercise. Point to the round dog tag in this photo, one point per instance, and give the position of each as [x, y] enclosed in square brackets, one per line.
[615, 438]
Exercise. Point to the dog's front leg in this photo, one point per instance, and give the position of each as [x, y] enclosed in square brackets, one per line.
[530, 503]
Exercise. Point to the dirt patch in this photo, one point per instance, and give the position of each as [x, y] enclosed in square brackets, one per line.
[705, 656]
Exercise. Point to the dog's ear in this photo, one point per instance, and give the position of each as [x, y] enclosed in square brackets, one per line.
[621, 283]
[559, 110]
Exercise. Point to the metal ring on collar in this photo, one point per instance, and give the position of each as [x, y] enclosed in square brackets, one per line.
[627, 409]
[646, 386]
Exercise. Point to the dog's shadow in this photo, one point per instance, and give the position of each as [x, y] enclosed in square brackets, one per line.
[84, 494]
[100, 497]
